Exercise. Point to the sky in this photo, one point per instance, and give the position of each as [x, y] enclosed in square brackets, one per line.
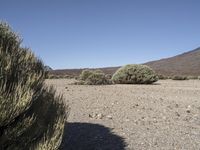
[104, 33]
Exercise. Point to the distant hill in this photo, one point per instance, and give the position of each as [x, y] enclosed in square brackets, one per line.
[184, 64]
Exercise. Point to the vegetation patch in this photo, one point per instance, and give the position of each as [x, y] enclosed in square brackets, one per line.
[93, 77]
[31, 115]
[179, 78]
[134, 74]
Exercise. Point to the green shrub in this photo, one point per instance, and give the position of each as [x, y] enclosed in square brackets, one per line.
[179, 78]
[31, 115]
[95, 77]
[134, 74]
[108, 76]
[162, 77]
[85, 74]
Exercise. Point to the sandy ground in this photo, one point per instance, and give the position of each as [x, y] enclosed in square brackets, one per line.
[164, 116]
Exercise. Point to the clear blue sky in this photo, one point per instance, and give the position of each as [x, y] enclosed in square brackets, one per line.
[99, 33]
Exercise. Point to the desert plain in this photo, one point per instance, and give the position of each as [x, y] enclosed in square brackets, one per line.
[162, 116]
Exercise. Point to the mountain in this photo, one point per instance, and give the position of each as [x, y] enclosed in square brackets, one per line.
[184, 64]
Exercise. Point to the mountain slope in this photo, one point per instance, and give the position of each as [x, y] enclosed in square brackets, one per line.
[185, 64]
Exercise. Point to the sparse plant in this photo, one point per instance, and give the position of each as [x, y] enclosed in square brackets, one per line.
[162, 77]
[134, 74]
[31, 115]
[95, 77]
[179, 77]
[85, 74]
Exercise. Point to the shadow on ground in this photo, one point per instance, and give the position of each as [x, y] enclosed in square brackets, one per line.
[86, 136]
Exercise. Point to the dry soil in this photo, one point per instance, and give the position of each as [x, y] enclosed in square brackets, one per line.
[163, 116]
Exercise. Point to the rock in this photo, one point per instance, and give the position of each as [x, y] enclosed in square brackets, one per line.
[109, 116]
[99, 116]
[177, 114]
[188, 110]
[93, 115]
[176, 105]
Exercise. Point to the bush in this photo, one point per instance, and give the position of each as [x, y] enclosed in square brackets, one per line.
[162, 77]
[85, 74]
[179, 78]
[199, 77]
[31, 115]
[134, 74]
[96, 77]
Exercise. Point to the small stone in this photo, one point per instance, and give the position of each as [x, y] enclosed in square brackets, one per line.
[177, 114]
[109, 117]
[99, 116]
[93, 115]
[176, 105]
[188, 111]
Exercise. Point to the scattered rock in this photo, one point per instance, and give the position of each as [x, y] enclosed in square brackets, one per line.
[96, 116]
[93, 115]
[109, 116]
[99, 116]
[177, 114]
[176, 105]
[188, 110]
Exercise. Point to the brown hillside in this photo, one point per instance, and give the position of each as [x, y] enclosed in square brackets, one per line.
[185, 64]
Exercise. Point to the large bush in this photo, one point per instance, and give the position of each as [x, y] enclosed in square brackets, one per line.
[134, 74]
[95, 77]
[31, 115]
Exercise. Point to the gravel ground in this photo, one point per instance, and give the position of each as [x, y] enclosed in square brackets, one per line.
[163, 116]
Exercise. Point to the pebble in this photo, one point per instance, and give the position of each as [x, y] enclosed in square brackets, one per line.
[99, 116]
[96, 116]
[109, 117]
[188, 110]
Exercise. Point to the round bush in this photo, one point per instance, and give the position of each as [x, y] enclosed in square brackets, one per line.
[96, 77]
[85, 74]
[134, 74]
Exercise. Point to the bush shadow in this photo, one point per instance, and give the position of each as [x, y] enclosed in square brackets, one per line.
[87, 136]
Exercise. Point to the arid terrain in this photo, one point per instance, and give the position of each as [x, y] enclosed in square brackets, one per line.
[163, 116]
[186, 64]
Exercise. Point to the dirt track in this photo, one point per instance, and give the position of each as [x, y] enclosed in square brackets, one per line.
[139, 117]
